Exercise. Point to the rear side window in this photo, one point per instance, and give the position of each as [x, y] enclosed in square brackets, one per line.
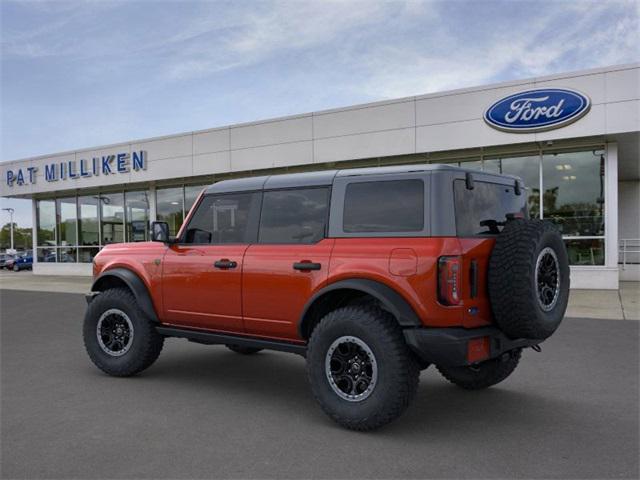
[223, 219]
[294, 216]
[483, 210]
[386, 206]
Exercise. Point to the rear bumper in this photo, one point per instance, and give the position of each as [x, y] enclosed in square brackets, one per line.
[450, 346]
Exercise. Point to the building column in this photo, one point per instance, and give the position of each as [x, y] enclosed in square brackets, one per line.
[152, 203]
[34, 232]
[611, 208]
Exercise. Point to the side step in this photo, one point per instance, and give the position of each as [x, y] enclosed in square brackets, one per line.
[209, 338]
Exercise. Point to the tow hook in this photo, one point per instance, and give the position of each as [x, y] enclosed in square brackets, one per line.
[536, 348]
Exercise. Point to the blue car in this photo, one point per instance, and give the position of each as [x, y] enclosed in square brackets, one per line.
[23, 262]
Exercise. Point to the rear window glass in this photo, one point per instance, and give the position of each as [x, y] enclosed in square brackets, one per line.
[483, 210]
[387, 206]
[294, 216]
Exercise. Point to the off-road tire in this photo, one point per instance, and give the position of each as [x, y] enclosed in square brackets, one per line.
[513, 291]
[242, 350]
[483, 375]
[397, 370]
[146, 344]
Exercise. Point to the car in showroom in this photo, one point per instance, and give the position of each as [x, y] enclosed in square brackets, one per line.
[371, 274]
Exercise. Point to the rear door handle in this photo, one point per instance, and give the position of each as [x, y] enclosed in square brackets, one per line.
[306, 265]
[225, 264]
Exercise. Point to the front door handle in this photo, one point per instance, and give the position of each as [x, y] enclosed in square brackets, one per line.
[306, 265]
[225, 263]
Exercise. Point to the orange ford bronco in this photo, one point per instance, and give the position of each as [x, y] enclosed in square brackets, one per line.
[371, 274]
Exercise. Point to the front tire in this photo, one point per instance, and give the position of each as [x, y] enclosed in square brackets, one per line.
[16, 268]
[485, 374]
[360, 369]
[120, 340]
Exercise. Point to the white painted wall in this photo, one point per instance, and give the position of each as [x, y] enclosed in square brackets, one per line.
[629, 226]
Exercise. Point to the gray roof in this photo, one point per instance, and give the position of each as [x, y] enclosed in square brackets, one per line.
[326, 177]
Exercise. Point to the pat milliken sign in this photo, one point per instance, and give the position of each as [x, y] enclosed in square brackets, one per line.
[105, 165]
[537, 110]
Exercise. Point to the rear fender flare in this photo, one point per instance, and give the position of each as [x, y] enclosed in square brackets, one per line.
[388, 298]
[134, 283]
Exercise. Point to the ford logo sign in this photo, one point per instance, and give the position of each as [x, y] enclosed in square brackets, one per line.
[537, 110]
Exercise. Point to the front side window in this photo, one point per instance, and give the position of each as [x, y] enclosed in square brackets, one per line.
[294, 216]
[484, 209]
[385, 206]
[221, 219]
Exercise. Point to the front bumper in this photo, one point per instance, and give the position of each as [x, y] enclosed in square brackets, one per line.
[450, 346]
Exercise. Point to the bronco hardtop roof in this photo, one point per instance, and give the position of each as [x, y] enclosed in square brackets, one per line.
[326, 177]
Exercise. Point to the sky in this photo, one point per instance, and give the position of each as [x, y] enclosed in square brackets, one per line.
[87, 73]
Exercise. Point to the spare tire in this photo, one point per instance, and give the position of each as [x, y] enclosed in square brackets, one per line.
[529, 279]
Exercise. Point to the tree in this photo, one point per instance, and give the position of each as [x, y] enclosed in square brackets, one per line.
[22, 237]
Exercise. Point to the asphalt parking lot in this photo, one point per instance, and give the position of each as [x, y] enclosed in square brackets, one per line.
[205, 412]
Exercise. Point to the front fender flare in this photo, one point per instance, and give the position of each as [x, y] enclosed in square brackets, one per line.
[388, 297]
[135, 284]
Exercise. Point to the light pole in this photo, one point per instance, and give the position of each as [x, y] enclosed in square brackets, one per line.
[10, 210]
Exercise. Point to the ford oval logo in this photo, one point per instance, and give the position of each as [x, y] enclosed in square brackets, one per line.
[537, 110]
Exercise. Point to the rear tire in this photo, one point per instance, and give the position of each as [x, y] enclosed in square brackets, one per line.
[242, 350]
[485, 374]
[120, 340]
[360, 369]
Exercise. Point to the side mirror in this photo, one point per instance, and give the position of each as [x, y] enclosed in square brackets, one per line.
[160, 232]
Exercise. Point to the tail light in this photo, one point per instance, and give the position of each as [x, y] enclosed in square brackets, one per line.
[449, 269]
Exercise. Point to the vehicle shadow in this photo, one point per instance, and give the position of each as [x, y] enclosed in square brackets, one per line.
[279, 380]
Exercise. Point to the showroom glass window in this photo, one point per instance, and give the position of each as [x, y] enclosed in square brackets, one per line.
[573, 199]
[137, 215]
[67, 216]
[294, 216]
[191, 193]
[527, 168]
[112, 217]
[46, 230]
[88, 228]
[170, 207]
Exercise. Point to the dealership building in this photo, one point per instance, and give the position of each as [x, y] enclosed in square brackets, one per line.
[573, 138]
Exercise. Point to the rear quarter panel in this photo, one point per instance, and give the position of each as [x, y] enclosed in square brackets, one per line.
[389, 261]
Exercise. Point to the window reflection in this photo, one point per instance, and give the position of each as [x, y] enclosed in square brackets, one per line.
[137, 216]
[585, 251]
[112, 214]
[46, 219]
[190, 196]
[88, 220]
[67, 221]
[574, 192]
[528, 169]
[169, 207]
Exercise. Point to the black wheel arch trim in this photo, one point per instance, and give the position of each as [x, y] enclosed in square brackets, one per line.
[388, 297]
[134, 283]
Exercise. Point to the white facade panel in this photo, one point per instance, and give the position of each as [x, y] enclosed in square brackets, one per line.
[166, 168]
[469, 134]
[210, 163]
[169, 147]
[272, 132]
[378, 144]
[299, 153]
[623, 116]
[623, 85]
[362, 120]
[461, 107]
[212, 141]
[591, 85]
